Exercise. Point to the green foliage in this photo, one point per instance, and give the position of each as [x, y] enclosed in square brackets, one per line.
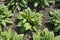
[55, 20]
[37, 36]
[43, 35]
[16, 4]
[10, 35]
[29, 19]
[41, 3]
[5, 15]
[57, 37]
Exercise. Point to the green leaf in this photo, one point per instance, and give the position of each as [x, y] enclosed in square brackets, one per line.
[27, 26]
[20, 24]
[10, 33]
[20, 36]
[57, 38]
[24, 20]
[36, 29]
[57, 29]
[46, 3]
[23, 3]
[36, 4]
[0, 28]
[51, 34]
[8, 20]
[51, 1]
[9, 15]
[21, 15]
[2, 16]
[4, 23]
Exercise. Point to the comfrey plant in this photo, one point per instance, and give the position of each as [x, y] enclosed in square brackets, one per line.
[55, 20]
[41, 3]
[5, 15]
[29, 19]
[43, 35]
[16, 4]
[10, 35]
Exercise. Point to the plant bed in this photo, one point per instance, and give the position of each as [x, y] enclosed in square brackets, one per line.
[29, 20]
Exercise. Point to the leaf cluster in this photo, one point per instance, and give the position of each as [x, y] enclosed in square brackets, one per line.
[5, 15]
[11, 35]
[29, 19]
[55, 19]
[41, 3]
[16, 4]
[43, 35]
